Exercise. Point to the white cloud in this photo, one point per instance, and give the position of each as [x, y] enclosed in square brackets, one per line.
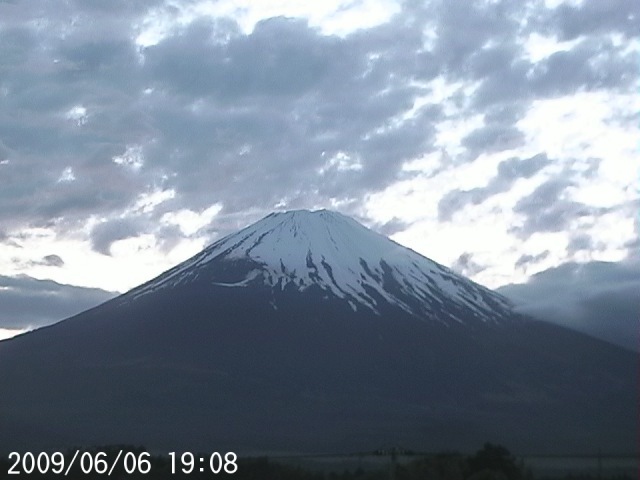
[333, 17]
[191, 222]
[132, 158]
[67, 175]
[77, 114]
[147, 202]
[341, 162]
[539, 47]
[557, 3]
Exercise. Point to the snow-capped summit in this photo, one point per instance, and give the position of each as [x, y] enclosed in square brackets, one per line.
[322, 249]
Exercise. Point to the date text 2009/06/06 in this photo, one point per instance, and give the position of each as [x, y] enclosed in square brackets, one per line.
[100, 463]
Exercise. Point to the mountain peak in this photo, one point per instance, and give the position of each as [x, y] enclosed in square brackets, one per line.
[301, 212]
[303, 217]
[310, 250]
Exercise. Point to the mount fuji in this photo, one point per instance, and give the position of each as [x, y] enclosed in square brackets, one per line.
[307, 332]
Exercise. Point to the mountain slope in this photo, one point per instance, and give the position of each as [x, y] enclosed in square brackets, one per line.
[308, 332]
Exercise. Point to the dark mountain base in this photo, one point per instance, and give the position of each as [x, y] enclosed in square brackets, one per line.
[232, 375]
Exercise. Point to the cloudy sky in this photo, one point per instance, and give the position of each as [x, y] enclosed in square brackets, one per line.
[500, 138]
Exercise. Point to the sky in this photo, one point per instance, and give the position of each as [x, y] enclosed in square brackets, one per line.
[499, 138]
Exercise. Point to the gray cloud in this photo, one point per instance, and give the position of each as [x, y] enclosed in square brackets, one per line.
[4, 154]
[480, 24]
[8, 240]
[53, 260]
[525, 260]
[47, 261]
[391, 227]
[263, 122]
[281, 58]
[589, 167]
[571, 21]
[105, 234]
[595, 63]
[633, 248]
[456, 200]
[466, 265]
[633, 245]
[47, 72]
[509, 171]
[28, 302]
[548, 208]
[579, 242]
[493, 137]
[597, 298]
[168, 237]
